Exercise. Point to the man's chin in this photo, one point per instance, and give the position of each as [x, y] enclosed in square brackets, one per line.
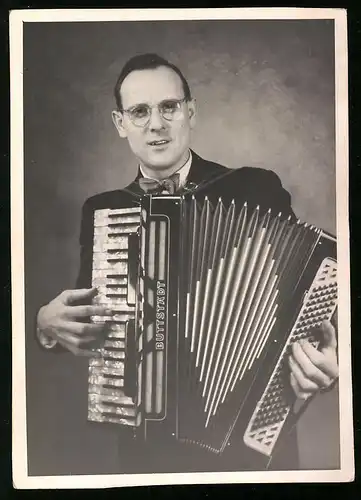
[160, 162]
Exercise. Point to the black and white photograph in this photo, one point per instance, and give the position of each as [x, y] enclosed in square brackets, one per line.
[180, 259]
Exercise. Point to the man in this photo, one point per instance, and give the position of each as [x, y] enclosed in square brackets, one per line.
[156, 114]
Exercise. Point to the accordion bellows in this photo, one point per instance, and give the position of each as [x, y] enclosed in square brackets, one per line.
[208, 301]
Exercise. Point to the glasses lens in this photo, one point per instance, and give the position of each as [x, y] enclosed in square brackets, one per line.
[170, 110]
[140, 114]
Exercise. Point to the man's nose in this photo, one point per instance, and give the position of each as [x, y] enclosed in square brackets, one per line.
[156, 121]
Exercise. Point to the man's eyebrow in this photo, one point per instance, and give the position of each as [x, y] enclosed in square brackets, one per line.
[138, 104]
[159, 102]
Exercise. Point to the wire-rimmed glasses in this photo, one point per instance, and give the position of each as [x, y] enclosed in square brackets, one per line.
[169, 109]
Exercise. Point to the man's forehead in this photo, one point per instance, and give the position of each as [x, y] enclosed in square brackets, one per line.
[151, 86]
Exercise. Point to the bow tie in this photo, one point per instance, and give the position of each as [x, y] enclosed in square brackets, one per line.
[171, 184]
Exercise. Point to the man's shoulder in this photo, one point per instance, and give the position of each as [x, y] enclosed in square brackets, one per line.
[210, 165]
[250, 175]
[256, 174]
[244, 171]
[253, 185]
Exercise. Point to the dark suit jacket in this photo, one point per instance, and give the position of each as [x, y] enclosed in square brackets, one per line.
[255, 186]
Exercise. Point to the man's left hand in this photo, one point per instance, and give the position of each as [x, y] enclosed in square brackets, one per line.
[314, 369]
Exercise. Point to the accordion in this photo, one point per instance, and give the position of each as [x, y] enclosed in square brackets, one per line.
[208, 300]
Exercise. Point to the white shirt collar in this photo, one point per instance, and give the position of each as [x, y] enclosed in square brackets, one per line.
[183, 171]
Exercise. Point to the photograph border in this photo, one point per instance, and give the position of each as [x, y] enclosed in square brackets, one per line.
[21, 480]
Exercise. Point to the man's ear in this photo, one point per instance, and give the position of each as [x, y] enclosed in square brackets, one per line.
[117, 118]
[192, 112]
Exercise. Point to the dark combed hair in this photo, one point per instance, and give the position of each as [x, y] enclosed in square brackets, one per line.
[147, 61]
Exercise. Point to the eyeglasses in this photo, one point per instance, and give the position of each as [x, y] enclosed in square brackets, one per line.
[170, 109]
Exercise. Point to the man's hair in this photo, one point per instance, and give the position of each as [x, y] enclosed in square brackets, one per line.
[147, 61]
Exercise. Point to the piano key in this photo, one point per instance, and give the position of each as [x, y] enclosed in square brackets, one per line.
[101, 380]
[114, 391]
[117, 344]
[111, 267]
[100, 407]
[121, 400]
[103, 245]
[102, 278]
[105, 370]
[99, 417]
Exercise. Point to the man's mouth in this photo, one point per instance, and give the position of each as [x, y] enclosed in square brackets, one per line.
[160, 142]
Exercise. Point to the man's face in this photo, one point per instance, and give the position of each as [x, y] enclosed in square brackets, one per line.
[153, 87]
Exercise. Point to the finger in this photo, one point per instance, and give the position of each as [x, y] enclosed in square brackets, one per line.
[77, 351]
[329, 335]
[75, 340]
[326, 363]
[84, 329]
[297, 389]
[87, 311]
[304, 383]
[309, 369]
[72, 296]
[334, 320]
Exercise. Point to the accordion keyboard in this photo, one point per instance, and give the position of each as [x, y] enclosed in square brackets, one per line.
[273, 408]
[113, 277]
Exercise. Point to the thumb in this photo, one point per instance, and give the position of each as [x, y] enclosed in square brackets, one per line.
[329, 335]
[334, 320]
[70, 297]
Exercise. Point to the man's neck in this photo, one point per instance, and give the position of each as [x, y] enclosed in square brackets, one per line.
[164, 174]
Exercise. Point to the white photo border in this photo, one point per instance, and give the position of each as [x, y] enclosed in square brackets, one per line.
[21, 479]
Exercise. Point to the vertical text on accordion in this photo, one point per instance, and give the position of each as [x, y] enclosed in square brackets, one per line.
[107, 399]
[156, 301]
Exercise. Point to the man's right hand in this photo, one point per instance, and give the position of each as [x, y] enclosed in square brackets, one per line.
[69, 324]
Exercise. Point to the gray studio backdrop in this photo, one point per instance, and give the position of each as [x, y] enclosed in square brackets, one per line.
[265, 94]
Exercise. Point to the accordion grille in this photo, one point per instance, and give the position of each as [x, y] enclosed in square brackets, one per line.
[273, 408]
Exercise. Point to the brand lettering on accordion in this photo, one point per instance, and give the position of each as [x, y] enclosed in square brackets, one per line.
[160, 316]
[246, 284]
